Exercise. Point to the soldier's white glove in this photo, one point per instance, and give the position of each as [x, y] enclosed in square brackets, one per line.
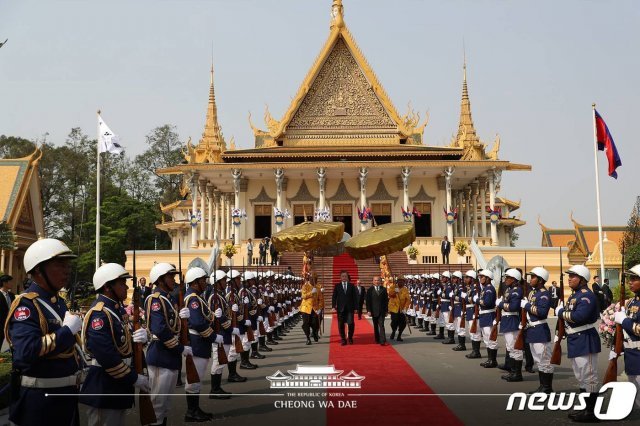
[187, 351]
[439, 292]
[271, 309]
[498, 301]
[475, 298]
[245, 300]
[397, 290]
[559, 308]
[495, 322]
[247, 323]
[236, 331]
[259, 301]
[219, 339]
[271, 295]
[73, 322]
[218, 313]
[184, 313]
[314, 291]
[288, 302]
[463, 295]
[450, 294]
[279, 305]
[613, 355]
[142, 383]
[234, 308]
[140, 336]
[260, 319]
[523, 303]
[620, 316]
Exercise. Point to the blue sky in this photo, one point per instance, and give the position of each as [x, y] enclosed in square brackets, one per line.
[534, 68]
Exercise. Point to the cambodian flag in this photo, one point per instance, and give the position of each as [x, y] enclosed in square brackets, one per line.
[605, 143]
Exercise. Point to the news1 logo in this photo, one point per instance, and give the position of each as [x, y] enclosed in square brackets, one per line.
[620, 403]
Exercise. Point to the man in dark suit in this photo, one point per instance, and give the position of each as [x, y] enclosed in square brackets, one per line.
[343, 302]
[6, 298]
[377, 305]
[361, 293]
[445, 249]
[145, 290]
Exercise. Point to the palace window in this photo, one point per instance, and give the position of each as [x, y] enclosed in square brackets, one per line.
[343, 213]
[262, 220]
[302, 210]
[381, 212]
[423, 223]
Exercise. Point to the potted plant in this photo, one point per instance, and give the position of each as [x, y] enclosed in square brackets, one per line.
[461, 248]
[229, 250]
[413, 254]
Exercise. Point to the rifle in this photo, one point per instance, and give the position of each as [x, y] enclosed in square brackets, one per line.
[476, 313]
[192, 373]
[494, 330]
[611, 374]
[234, 321]
[249, 328]
[147, 413]
[463, 312]
[519, 343]
[222, 356]
[556, 355]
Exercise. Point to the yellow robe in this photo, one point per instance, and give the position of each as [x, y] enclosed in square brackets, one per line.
[307, 298]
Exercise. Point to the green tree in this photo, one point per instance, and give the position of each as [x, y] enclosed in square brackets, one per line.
[15, 147]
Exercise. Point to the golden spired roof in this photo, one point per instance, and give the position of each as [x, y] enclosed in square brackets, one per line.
[466, 131]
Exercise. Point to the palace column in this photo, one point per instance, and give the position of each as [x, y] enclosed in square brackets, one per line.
[447, 174]
[209, 211]
[216, 223]
[363, 193]
[460, 214]
[474, 209]
[194, 209]
[279, 176]
[321, 183]
[492, 205]
[237, 174]
[223, 216]
[203, 208]
[483, 206]
[468, 213]
[406, 173]
[228, 214]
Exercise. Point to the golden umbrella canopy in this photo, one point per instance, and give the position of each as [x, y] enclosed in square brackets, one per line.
[381, 240]
[308, 236]
[332, 250]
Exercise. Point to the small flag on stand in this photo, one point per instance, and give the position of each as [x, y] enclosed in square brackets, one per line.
[605, 143]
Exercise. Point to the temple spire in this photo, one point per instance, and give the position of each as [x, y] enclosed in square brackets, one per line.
[337, 14]
[212, 135]
[466, 131]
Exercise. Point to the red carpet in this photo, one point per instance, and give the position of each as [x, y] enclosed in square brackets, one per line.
[344, 262]
[385, 372]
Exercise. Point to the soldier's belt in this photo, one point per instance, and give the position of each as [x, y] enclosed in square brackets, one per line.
[632, 345]
[486, 311]
[534, 323]
[509, 314]
[48, 383]
[572, 330]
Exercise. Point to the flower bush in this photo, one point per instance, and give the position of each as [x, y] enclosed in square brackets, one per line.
[412, 252]
[461, 248]
[229, 250]
[607, 327]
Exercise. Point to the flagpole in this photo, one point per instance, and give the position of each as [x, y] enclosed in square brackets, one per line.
[595, 156]
[98, 195]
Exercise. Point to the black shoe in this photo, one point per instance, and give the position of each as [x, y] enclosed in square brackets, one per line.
[449, 340]
[234, 377]
[516, 373]
[244, 362]
[508, 363]
[343, 343]
[308, 341]
[216, 389]
[529, 369]
[586, 415]
[491, 362]
[272, 342]
[461, 344]
[194, 413]
[351, 340]
[400, 339]
[475, 351]
[393, 335]
[440, 335]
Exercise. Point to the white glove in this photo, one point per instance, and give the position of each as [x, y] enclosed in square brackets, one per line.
[234, 308]
[247, 323]
[523, 303]
[260, 319]
[245, 300]
[184, 313]
[279, 305]
[218, 313]
[620, 316]
[73, 322]
[140, 336]
[559, 307]
[451, 294]
[397, 290]
[475, 298]
[498, 301]
[314, 291]
[271, 294]
[288, 302]
[463, 295]
[236, 331]
[219, 339]
[439, 292]
[142, 383]
[187, 351]
[271, 309]
[495, 322]
[259, 301]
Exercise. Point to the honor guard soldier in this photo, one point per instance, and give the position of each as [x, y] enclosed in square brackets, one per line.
[318, 310]
[445, 308]
[460, 294]
[248, 293]
[581, 316]
[201, 337]
[165, 351]
[244, 323]
[42, 336]
[472, 288]
[510, 325]
[486, 301]
[629, 318]
[538, 334]
[106, 335]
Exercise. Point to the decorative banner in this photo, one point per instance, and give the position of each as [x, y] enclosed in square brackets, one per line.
[406, 214]
[279, 219]
[322, 215]
[365, 215]
[494, 215]
[451, 216]
[195, 219]
[281, 215]
[237, 215]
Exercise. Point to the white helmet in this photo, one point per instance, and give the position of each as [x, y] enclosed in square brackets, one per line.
[471, 274]
[43, 250]
[160, 269]
[581, 271]
[436, 276]
[513, 273]
[540, 273]
[108, 272]
[219, 275]
[457, 274]
[248, 275]
[446, 274]
[486, 273]
[233, 274]
[633, 271]
[193, 274]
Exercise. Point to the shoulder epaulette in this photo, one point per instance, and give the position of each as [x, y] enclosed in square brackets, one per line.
[584, 290]
[31, 295]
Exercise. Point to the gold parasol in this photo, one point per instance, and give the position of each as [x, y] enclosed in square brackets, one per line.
[332, 250]
[381, 240]
[308, 236]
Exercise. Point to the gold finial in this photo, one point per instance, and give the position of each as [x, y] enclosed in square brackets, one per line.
[337, 14]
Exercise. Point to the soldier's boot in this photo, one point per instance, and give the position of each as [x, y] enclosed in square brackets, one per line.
[315, 335]
[194, 413]
[216, 388]
[461, 344]
[244, 362]
[276, 334]
[254, 352]
[270, 339]
[432, 332]
[587, 415]
[263, 345]
[516, 372]
[475, 350]
[234, 377]
[547, 383]
[508, 362]
[420, 323]
[440, 335]
[282, 330]
[393, 334]
[491, 362]
[400, 330]
[450, 338]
